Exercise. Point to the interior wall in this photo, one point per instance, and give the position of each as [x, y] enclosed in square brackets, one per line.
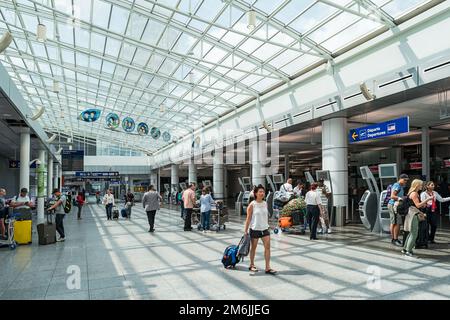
[233, 183]
[9, 178]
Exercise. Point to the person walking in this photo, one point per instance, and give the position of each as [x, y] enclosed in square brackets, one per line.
[189, 200]
[414, 213]
[324, 220]
[129, 202]
[108, 201]
[397, 193]
[151, 203]
[313, 210]
[206, 201]
[60, 213]
[257, 225]
[432, 209]
[80, 203]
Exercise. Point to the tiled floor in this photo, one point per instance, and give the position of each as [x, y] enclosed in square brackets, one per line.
[121, 260]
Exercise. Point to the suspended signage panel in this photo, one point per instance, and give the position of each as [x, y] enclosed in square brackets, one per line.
[379, 130]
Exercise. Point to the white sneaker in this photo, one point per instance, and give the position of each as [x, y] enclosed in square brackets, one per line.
[329, 230]
[320, 231]
[60, 239]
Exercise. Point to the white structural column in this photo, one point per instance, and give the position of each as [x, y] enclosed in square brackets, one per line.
[192, 172]
[174, 174]
[50, 175]
[426, 153]
[41, 177]
[287, 167]
[154, 179]
[218, 182]
[56, 176]
[334, 157]
[256, 162]
[25, 158]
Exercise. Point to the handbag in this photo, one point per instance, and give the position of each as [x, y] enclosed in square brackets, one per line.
[421, 216]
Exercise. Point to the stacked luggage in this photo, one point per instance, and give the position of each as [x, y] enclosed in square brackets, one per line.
[292, 215]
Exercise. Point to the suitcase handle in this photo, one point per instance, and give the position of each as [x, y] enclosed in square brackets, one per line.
[49, 217]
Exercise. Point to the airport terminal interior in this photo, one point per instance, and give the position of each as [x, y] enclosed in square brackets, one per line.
[147, 146]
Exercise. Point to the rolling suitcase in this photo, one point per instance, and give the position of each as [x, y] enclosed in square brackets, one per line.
[124, 213]
[115, 213]
[422, 235]
[47, 232]
[22, 231]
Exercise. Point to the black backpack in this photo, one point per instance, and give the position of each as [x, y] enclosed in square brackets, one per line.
[403, 206]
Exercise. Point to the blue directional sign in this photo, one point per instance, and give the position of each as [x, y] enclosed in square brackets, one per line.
[380, 130]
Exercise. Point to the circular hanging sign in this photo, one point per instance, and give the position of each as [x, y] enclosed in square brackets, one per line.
[142, 129]
[112, 121]
[90, 115]
[166, 136]
[155, 133]
[128, 124]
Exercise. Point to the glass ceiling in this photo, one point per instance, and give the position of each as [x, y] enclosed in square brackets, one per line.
[173, 64]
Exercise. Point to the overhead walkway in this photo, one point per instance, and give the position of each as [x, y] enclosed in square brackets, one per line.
[121, 260]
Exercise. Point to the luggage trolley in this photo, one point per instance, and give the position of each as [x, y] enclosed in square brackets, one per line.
[295, 223]
[218, 217]
[10, 220]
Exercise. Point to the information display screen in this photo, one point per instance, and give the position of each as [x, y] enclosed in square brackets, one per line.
[73, 160]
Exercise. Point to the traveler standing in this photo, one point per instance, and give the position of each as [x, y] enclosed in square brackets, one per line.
[313, 210]
[151, 203]
[108, 201]
[22, 200]
[3, 214]
[80, 204]
[60, 213]
[287, 187]
[397, 192]
[299, 190]
[189, 200]
[431, 208]
[257, 225]
[412, 218]
[324, 219]
[206, 201]
[129, 202]
[180, 195]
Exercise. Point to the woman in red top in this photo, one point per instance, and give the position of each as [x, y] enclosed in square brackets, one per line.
[80, 203]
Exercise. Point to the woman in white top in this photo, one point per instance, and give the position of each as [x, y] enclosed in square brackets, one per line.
[257, 224]
[431, 208]
[313, 210]
[108, 201]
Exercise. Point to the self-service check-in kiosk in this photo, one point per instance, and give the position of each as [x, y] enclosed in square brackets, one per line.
[309, 177]
[167, 192]
[244, 195]
[173, 194]
[386, 172]
[368, 205]
[275, 183]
